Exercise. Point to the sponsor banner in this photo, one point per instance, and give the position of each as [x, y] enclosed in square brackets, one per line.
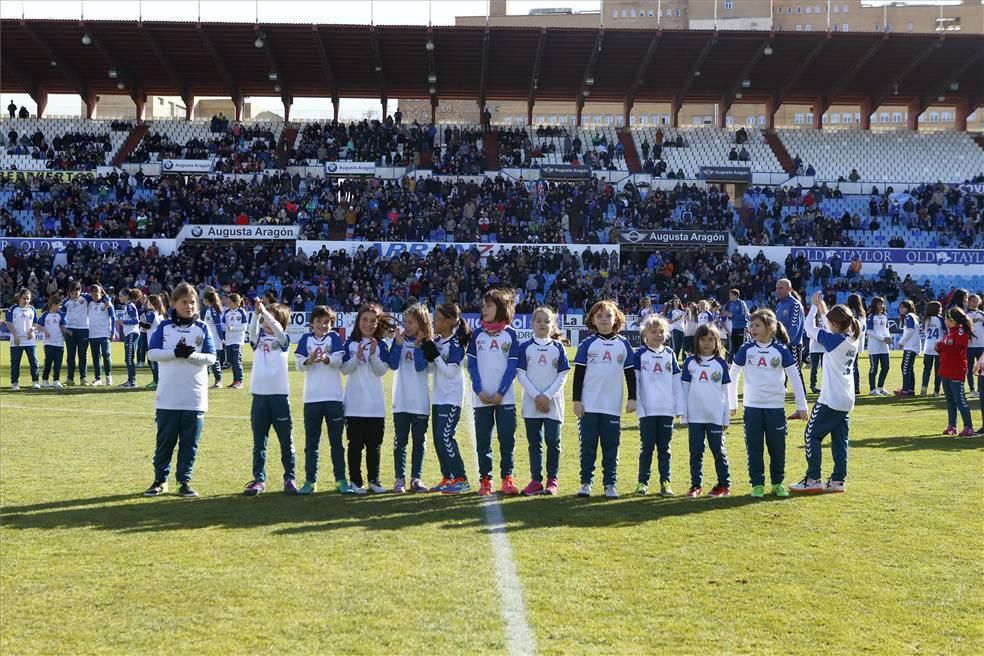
[726, 173]
[63, 176]
[975, 188]
[675, 238]
[239, 232]
[893, 255]
[186, 166]
[59, 245]
[393, 249]
[350, 168]
[565, 171]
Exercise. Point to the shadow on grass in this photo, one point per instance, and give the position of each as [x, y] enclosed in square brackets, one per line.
[934, 442]
[328, 512]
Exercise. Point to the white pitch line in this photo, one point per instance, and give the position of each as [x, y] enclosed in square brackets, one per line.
[519, 635]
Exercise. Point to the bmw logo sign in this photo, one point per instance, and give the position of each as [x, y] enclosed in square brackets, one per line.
[168, 164]
[332, 167]
[196, 231]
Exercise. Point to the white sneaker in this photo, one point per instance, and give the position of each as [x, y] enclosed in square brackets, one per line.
[883, 392]
[45, 385]
[109, 381]
[14, 387]
[807, 486]
[835, 486]
[585, 491]
[356, 489]
[975, 395]
[874, 392]
[376, 487]
[97, 382]
[923, 392]
[611, 492]
[57, 385]
[35, 385]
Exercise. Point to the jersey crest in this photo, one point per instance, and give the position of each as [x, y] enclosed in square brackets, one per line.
[775, 362]
[716, 377]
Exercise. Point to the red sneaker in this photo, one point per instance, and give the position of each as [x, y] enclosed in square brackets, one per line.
[534, 488]
[950, 430]
[695, 492]
[485, 488]
[551, 488]
[719, 491]
[966, 432]
[509, 486]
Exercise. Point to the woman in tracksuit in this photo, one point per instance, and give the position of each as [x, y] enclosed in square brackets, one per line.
[447, 352]
[411, 397]
[76, 311]
[767, 363]
[830, 413]
[102, 321]
[879, 342]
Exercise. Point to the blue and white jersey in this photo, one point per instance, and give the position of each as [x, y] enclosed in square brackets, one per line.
[766, 368]
[213, 319]
[677, 319]
[789, 311]
[492, 362]
[605, 362]
[53, 323]
[933, 331]
[449, 372]
[739, 314]
[76, 312]
[658, 389]
[543, 368]
[234, 323]
[270, 368]
[910, 333]
[154, 320]
[131, 320]
[23, 320]
[705, 382]
[704, 317]
[411, 389]
[145, 312]
[364, 396]
[102, 318]
[322, 380]
[877, 334]
[182, 382]
[840, 349]
[976, 318]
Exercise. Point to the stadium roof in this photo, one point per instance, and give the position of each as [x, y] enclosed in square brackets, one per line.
[506, 63]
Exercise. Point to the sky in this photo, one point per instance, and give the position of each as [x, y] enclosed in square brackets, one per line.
[359, 12]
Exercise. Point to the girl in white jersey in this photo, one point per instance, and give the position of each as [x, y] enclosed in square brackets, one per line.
[447, 353]
[690, 328]
[677, 318]
[909, 343]
[102, 321]
[234, 321]
[53, 324]
[768, 364]
[319, 355]
[705, 381]
[976, 348]
[856, 306]
[22, 319]
[411, 397]
[152, 318]
[933, 330]
[270, 386]
[542, 371]
[130, 324]
[816, 354]
[660, 400]
[879, 342]
[213, 319]
[830, 412]
[365, 365]
[76, 311]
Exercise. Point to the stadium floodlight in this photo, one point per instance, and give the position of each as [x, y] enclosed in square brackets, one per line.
[86, 39]
[433, 90]
[696, 73]
[954, 86]
[589, 81]
[259, 40]
[432, 78]
[941, 98]
[276, 88]
[112, 73]
[120, 86]
[430, 45]
[586, 92]
[768, 51]
[378, 68]
[746, 84]
[272, 75]
[738, 95]
[54, 63]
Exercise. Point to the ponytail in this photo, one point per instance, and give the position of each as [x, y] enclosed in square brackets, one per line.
[462, 333]
[959, 317]
[781, 335]
[844, 320]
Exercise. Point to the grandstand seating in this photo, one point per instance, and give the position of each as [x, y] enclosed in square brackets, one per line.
[901, 156]
[310, 138]
[705, 146]
[182, 133]
[586, 135]
[51, 128]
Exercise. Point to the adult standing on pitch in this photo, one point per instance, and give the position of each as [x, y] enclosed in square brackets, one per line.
[737, 311]
[789, 311]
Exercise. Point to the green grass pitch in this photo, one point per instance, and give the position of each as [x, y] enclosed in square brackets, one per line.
[88, 566]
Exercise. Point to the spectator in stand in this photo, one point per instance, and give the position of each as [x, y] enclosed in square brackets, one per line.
[23, 113]
[12, 109]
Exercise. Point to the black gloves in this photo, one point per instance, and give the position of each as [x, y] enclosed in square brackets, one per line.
[430, 350]
[183, 350]
[145, 325]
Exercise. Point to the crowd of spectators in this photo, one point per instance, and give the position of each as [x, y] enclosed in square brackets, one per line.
[463, 152]
[517, 149]
[71, 151]
[387, 143]
[236, 149]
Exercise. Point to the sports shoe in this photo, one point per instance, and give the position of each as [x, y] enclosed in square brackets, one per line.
[399, 486]
[97, 382]
[84, 382]
[70, 382]
[186, 491]
[950, 430]
[974, 394]
[456, 486]
[217, 384]
[376, 487]
[835, 486]
[611, 492]
[883, 392]
[874, 392]
[758, 491]
[440, 486]
[642, 489]
[485, 487]
[417, 485]
[780, 490]
[966, 432]
[237, 385]
[35, 385]
[14, 387]
[807, 486]
[254, 487]
[150, 385]
[308, 488]
[665, 490]
[814, 390]
[358, 489]
[156, 489]
[551, 488]
[901, 393]
[719, 491]
[923, 392]
[343, 487]
[109, 381]
[57, 385]
[45, 385]
[585, 490]
[980, 431]
[534, 488]
[509, 487]
[695, 491]
[128, 385]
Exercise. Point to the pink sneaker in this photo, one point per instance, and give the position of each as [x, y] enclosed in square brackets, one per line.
[950, 430]
[966, 432]
[534, 488]
[551, 488]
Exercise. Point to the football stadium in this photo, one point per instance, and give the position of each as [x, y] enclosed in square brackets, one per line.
[410, 327]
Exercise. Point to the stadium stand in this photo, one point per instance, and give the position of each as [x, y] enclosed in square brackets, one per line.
[60, 144]
[689, 149]
[384, 143]
[239, 148]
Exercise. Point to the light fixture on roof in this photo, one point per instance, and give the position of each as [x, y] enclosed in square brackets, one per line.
[696, 73]
[86, 39]
[586, 93]
[378, 68]
[272, 75]
[768, 51]
[54, 63]
[430, 44]
[276, 87]
[113, 74]
[589, 81]
[738, 95]
[941, 98]
[259, 40]
[746, 84]
[432, 90]
[954, 86]
[120, 86]
[432, 78]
